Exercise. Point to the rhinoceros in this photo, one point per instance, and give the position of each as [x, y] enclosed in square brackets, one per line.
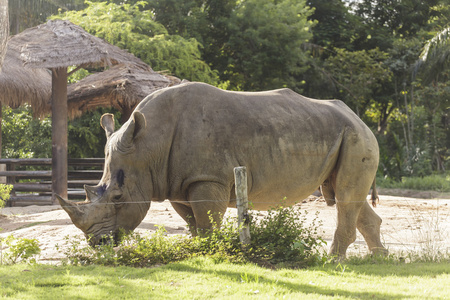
[182, 144]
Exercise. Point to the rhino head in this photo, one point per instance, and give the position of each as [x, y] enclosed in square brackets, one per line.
[121, 199]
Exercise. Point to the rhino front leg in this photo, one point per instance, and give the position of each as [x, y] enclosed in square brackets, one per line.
[369, 225]
[185, 211]
[209, 201]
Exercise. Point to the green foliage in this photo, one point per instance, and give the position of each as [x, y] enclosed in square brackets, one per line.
[278, 239]
[86, 137]
[133, 250]
[385, 20]
[26, 137]
[282, 237]
[19, 249]
[439, 183]
[5, 190]
[131, 27]
[254, 45]
[335, 26]
[23, 136]
[264, 46]
[77, 75]
[358, 75]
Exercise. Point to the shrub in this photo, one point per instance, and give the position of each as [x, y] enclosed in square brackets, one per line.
[278, 239]
[282, 237]
[21, 249]
[5, 190]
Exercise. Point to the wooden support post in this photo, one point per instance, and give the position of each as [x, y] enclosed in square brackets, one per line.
[59, 133]
[240, 180]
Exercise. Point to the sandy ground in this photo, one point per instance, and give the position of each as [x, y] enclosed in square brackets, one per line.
[408, 224]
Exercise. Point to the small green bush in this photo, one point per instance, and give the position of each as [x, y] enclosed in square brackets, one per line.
[278, 239]
[5, 190]
[282, 237]
[19, 250]
[134, 250]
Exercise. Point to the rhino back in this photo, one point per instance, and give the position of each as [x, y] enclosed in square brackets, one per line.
[289, 143]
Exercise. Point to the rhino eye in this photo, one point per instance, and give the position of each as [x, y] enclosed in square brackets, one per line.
[120, 177]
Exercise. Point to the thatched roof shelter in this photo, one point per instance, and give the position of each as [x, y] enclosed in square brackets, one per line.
[121, 87]
[19, 85]
[60, 43]
[57, 45]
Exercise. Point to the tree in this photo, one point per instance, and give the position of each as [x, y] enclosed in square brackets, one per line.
[335, 26]
[29, 13]
[435, 56]
[404, 18]
[254, 45]
[385, 20]
[4, 30]
[205, 20]
[357, 76]
[436, 132]
[264, 46]
[130, 27]
[434, 95]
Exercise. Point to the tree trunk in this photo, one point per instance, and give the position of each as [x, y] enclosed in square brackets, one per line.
[4, 32]
[4, 29]
[59, 133]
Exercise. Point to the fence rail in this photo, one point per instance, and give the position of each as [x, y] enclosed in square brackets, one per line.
[34, 187]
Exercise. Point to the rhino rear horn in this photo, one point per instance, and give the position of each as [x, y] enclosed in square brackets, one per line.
[91, 193]
[72, 209]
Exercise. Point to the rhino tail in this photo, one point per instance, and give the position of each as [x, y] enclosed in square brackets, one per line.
[374, 196]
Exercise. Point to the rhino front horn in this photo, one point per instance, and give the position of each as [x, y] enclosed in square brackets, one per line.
[72, 209]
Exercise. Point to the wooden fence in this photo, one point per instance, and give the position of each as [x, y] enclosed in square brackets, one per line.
[34, 187]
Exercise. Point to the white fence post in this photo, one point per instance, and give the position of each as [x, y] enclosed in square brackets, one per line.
[240, 180]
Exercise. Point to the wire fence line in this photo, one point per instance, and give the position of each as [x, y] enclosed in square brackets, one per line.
[281, 202]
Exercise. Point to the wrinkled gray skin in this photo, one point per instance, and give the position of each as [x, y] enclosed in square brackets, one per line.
[182, 143]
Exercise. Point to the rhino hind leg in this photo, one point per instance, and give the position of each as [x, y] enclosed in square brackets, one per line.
[369, 225]
[351, 181]
[209, 201]
[345, 232]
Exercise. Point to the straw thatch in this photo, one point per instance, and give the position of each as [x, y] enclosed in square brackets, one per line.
[19, 85]
[60, 43]
[121, 87]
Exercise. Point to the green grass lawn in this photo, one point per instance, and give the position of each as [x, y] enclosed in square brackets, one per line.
[203, 278]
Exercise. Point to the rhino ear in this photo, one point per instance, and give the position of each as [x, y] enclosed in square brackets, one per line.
[107, 122]
[135, 128]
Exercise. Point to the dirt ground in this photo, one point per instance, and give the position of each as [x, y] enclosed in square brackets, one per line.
[410, 223]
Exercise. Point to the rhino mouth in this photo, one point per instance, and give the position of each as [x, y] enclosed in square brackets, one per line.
[108, 240]
[112, 239]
